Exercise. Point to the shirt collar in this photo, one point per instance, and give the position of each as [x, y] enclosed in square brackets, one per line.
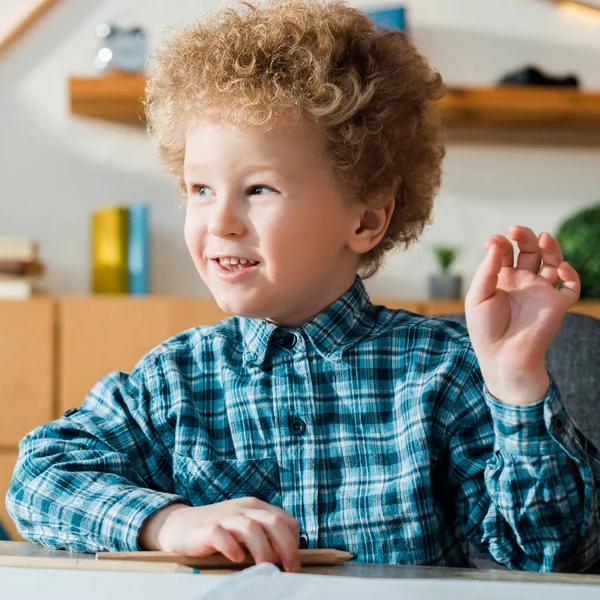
[343, 323]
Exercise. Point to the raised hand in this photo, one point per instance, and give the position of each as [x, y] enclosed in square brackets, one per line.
[513, 312]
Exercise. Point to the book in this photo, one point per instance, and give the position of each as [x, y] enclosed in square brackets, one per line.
[110, 231]
[138, 250]
[21, 267]
[17, 248]
[15, 289]
[390, 18]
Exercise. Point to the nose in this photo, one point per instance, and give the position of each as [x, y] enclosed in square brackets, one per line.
[226, 219]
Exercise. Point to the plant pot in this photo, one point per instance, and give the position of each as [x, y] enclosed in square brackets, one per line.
[444, 286]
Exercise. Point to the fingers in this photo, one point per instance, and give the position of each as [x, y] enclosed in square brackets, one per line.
[485, 281]
[254, 503]
[506, 249]
[250, 532]
[217, 539]
[530, 254]
[552, 257]
[283, 538]
[236, 528]
[571, 287]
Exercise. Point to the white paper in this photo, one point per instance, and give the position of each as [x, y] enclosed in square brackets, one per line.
[265, 582]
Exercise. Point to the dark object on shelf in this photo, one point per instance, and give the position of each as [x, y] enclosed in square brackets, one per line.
[579, 236]
[534, 76]
[123, 49]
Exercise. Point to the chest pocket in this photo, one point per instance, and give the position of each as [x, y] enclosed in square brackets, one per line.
[210, 481]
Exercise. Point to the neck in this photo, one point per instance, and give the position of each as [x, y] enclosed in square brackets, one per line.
[308, 310]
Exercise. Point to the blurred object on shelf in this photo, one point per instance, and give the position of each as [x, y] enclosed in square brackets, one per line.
[123, 43]
[109, 250]
[20, 268]
[588, 8]
[121, 250]
[392, 18]
[531, 75]
[579, 237]
[445, 285]
[17, 248]
[138, 250]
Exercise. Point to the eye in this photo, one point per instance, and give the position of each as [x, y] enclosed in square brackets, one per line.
[260, 190]
[201, 190]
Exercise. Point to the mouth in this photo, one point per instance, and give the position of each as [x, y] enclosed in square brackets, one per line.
[232, 263]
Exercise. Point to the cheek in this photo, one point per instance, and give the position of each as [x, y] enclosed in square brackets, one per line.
[192, 232]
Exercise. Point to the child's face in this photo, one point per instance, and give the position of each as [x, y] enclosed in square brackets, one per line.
[268, 198]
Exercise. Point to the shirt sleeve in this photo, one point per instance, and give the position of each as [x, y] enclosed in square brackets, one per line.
[527, 481]
[88, 481]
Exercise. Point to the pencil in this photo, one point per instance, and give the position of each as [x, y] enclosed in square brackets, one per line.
[319, 557]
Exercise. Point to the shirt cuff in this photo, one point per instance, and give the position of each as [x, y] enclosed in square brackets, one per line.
[121, 524]
[543, 428]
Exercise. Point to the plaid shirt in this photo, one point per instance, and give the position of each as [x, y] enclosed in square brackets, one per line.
[371, 426]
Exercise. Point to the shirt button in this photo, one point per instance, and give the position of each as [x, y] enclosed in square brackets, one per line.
[70, 412]
[289, 340]
[303, 541]
[297, 425]
[558, 424]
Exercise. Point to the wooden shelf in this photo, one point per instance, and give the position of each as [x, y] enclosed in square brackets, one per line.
[522, 107]
[110, 98]
[119, 98]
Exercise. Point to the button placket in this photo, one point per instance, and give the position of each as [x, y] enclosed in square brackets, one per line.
[298, 446]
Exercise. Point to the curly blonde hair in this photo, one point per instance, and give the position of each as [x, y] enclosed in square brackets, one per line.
[367, 88]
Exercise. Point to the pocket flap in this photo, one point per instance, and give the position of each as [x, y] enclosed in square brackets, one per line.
[211, 481]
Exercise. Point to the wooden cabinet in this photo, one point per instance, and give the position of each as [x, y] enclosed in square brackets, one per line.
[26, 367]
[7, 465]
[101, 334]
[26, 379]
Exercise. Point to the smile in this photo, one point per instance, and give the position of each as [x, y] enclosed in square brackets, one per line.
[233, 269]
[230, 261]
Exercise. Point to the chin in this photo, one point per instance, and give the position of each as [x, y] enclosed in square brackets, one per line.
[241, 308]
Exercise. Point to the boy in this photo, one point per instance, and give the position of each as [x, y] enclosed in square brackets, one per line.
[306, 144]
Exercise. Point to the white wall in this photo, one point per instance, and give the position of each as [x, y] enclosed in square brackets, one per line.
[55, 169]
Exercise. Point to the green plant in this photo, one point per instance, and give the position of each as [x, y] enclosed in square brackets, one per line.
[445, 256]
[579, 237]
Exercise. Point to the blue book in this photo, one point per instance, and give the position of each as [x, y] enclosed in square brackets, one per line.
[138, 255]
[392, 18]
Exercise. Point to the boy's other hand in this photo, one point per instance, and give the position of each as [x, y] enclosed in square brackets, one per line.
[513, 312]
[269, 533]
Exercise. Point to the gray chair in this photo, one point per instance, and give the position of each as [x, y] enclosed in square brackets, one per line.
[574, 362]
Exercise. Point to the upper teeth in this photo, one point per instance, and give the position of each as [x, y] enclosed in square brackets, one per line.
[234, 261]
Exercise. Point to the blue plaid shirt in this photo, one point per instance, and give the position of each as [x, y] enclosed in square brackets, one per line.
[371, 426]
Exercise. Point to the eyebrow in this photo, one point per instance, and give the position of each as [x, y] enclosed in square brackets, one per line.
[195, 167]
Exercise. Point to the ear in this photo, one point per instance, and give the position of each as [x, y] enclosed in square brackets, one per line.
[371, 224]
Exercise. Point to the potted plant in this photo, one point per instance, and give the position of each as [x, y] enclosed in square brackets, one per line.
[445, 284]
[579, 237]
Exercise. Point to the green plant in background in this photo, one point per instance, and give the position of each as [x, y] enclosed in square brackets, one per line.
[579, 237]
[445, 256]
